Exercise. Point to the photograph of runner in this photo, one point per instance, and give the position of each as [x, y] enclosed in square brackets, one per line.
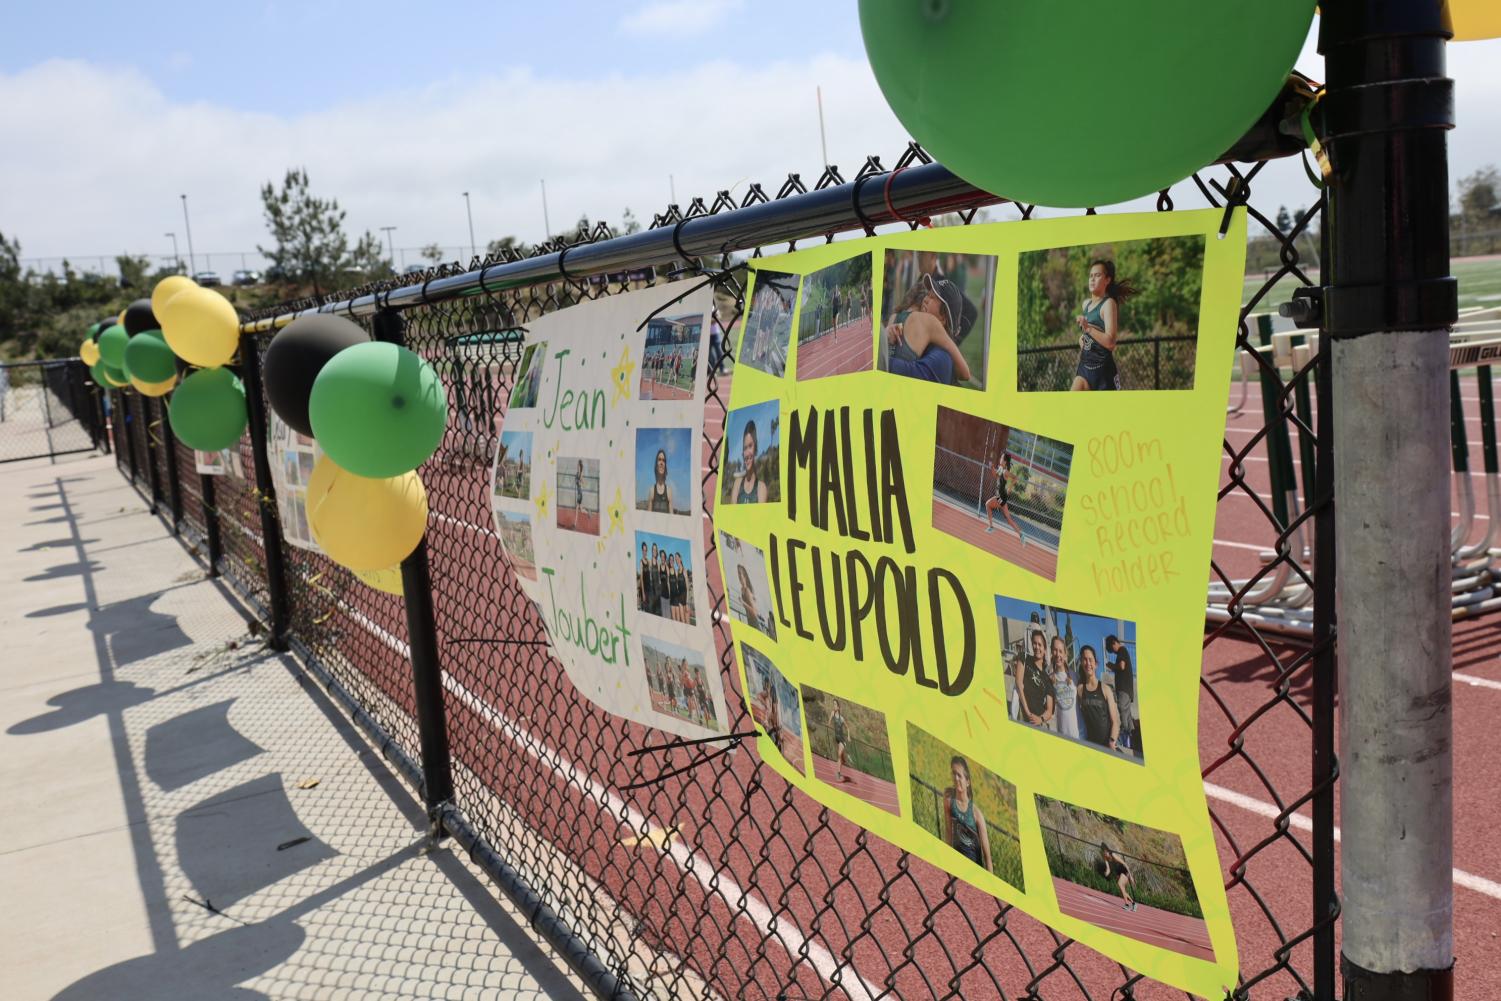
[749, 590]
[851, 748]
[1001, 489]
[1106, 317]
[751, 470]
[516, 536]
[768, 323]
[1071, 674]
[529, 376]
[664, 577]
[663, 470]
[669, 360]
[1126, 878]
[578, 494]
[513, 465]
[967, 807]
[679, 683]
[774, 705]
[835, 329]
[935, 316]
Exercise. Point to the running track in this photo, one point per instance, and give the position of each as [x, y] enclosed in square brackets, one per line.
[872, 790]
[1152, 925]
[967, 527]
[850, 348]
[575, 753]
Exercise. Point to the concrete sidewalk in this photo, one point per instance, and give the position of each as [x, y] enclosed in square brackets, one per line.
[186, 815]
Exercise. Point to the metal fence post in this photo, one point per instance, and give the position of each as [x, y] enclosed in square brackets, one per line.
[1387, 304]
[128, 422]
[101, 423]
[265, 491]
[156, 480]
[174, 483]
[210, 522]
[422, 638]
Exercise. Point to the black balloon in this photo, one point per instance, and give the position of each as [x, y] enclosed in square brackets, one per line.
[101, 327]
[295, 357]
[139, 318]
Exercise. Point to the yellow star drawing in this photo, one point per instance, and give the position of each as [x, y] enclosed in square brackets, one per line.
[617, 514]
[542, 499]
[621, 373]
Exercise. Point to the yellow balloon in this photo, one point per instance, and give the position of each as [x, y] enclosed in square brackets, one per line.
[201, 326]
[1474, 19]
[111, 380]
[89, 353]
[387, 580]
[153, 388]
[121, 318]
[166, 289]
[362, 523]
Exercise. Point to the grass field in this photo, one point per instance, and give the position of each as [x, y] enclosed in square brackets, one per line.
[1479, 284]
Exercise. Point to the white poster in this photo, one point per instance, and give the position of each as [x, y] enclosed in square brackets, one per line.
[224, 462]
[292, 456]
[598, 502]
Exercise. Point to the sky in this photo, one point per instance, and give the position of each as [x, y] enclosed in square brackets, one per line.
[111, 112]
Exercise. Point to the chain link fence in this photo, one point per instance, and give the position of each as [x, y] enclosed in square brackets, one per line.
[691, 870]
[47, 409]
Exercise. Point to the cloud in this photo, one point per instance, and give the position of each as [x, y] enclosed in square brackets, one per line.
[96, 155]
[679, 17]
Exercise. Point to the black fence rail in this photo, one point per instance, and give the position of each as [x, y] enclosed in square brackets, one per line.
[679, 871]
[47, 409]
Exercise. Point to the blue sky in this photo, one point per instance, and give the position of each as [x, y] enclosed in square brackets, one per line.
[112, 112]
[1089, 629]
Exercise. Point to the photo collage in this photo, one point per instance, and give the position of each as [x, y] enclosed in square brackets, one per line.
[562, 485]
[1087, 317]
[292, 457]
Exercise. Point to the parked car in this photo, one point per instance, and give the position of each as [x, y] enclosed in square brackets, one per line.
[414, 269]
[276, 273]
[246, 277]
[207, 278]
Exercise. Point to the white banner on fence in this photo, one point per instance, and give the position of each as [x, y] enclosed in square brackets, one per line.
[597, 499]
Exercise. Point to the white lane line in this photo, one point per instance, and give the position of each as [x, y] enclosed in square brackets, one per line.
[1469, 881]
[1477, 682]
[714, 882]
[1265, 548]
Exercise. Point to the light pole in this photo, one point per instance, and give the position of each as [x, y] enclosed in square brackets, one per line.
[176, 259]
[473, 252]
[390, 244]
[192, 263]
[546, 223]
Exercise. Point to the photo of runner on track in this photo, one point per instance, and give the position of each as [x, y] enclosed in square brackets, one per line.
[669, 359]
[774, 705]
[1001, 489]
[835, 328]
[1124, 877]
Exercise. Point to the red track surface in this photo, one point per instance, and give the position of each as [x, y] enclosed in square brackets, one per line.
[1152, 925]
[654, 390]
[874, 791]
[1002, 542]
[579, 521]
[850, 348]
[792, 750]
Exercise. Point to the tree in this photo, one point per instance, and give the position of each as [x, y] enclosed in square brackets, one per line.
[15, 291]
[368, 258]
[133, 271]
[499, 248]
[1480, 193]
[1284, 221]
[309, 232]
[628, 223]
[432, 252]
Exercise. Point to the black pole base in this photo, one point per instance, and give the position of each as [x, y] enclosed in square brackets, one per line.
[1424, 985]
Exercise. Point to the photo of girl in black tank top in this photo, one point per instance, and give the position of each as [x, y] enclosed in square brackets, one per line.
[1099, 326]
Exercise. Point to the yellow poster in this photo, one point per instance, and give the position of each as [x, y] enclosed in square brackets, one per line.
[964, 511]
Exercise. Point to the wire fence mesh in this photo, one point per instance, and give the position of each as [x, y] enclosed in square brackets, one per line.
[692, 872]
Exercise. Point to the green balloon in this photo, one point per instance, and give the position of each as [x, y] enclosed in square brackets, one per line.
[378, 410]
[207, 411]
[1080, 103]
[148, 358]
[114, 377]
[96, 372]
[112, 344]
